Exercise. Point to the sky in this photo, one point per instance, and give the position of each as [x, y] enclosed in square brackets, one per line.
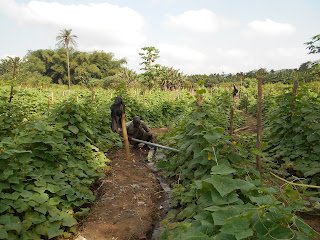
[193, 36]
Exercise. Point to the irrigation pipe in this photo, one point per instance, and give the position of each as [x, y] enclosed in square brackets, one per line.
[296, 184]
[155, 145]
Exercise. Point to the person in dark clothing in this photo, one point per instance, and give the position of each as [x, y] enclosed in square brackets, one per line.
[139, 130]
[116, 114]
[235, 91]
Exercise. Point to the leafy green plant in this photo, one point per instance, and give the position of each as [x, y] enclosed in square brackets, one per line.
[48, 168]
[294, 134]
[218, 194]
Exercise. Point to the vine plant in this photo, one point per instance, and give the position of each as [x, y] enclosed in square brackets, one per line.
[218, 194]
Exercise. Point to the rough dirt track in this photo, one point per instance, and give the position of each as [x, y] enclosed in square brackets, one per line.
[127, 200]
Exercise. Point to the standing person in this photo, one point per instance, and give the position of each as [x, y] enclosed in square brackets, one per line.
[138, 129]
[235, 91]
[116, 114]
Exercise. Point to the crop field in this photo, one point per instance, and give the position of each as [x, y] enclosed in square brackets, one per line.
[53, 143]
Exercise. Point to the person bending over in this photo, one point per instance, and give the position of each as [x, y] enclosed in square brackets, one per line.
[138, 129]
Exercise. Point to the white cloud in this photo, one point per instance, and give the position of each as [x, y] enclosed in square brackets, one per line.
[269, 27]
[180, 52]
[232, 53]
[100, 24]
[201, 21]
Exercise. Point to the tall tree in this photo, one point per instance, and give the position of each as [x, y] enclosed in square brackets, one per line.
[149, 55]
[314, 45]
[65, 39]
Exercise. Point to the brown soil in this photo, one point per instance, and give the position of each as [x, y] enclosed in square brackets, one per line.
[251, 123]
[126, 205]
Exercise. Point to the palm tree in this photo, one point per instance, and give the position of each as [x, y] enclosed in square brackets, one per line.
[65, 39]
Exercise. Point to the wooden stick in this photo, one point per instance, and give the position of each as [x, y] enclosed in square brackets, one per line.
[231, 121]
[125, 134]
[93, 96]
[259, 123]
[52, 99]
[240, 129]
[48, 102]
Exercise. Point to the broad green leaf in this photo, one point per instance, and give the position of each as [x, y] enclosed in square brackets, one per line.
[313, 137]
[5, 219]
[68, 220]
[218, 200]
[54, 230]
[304, 227]
[85, 212]
[40, 198]
[54, 201]
[223, 236]
[281, 232]
[3, 234]
[53, 188]
[316, 148]
[224, 185]
[6, 173]
[267, 199]
[21, 205]
[14, 179]
[235, 157]
[39, 219]
[42, 228]
[3, 207]
[42, 208]
[212, 137]
[26, 224]
[238, 227]
[244, 185]
[301, 236]
[73, 129]
[12, 196]
[222, 170]
[26, 194]
[14, 224]
[4, 186]
[220, 217]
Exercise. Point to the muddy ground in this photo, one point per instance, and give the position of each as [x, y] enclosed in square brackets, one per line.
[129, 200]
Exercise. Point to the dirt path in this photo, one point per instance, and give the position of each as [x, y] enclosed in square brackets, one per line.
[127, 200]
[251, 123]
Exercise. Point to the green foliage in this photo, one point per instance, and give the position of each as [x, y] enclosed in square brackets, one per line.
[48, 165]
[313, 45]
[293, 133]
[218, 195]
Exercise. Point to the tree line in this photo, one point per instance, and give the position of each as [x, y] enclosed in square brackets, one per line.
[68, 66]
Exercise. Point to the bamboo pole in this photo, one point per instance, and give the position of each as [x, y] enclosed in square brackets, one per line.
[247, 102]
[259, 124]
[77, 98]
[48, 102]
[125, 134]
[231, 121]
[93, 96]
[295, 87]
[52, 98]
